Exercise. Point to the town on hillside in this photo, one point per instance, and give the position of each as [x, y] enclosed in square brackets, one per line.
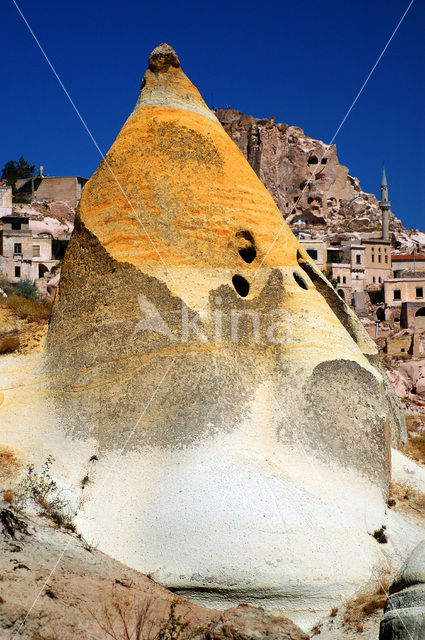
[384, 286]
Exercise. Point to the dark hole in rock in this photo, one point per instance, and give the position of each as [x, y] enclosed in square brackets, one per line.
[241, 285]
[300, 280]
[246, 248]
[312, 160]
[248, 255]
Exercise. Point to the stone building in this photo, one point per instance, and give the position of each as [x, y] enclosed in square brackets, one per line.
[64, 189]
[405, 301]
[22, 254]
[346, 262]
[316, 249]
[377, 261]
[410, 262]
[5, 199]
[358, 267]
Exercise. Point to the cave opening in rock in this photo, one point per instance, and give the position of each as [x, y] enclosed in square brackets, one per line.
[241, 285]
[300, 280]
[380, 314]
[246, 246]
[313, 160]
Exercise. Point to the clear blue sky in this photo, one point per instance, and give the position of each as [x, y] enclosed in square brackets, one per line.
[303, 62]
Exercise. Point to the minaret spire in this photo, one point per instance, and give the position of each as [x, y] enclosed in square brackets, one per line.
[384, 182]
[385, 206]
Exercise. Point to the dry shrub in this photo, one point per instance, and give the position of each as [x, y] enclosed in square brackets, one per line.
[127, 619]
[412, 422]
[9, 343]
[406, 497]
[34, 310]
[415, 448]
[8, 496]
[8, 461]
[369, 601]
[43, 490]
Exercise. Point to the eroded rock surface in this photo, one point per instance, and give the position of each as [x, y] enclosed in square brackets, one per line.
[222, 401]
[85, 597]
[404, 617]
[303, 175]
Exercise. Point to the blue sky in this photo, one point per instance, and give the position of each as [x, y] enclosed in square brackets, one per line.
[302, 62]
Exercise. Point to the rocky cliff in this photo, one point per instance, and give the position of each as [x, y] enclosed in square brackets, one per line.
[303, 175]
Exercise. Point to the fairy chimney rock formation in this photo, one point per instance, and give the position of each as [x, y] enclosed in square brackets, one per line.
[205, 376]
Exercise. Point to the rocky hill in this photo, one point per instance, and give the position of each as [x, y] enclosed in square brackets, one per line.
[305, 178]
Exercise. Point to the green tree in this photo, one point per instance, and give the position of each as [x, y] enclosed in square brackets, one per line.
[13, 170]
[27, 289]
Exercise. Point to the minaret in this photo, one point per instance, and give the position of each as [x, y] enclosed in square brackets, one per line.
[385, 206]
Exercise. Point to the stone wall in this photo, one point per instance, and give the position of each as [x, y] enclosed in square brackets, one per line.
[63, 189]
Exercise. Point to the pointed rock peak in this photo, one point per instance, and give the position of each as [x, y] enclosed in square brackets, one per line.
[162, 57]
[165, 86]
[384, 182]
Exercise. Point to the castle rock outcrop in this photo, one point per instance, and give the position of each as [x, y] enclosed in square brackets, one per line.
[303, 175]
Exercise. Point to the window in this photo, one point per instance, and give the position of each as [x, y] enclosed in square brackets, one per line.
[358, 259]
[374, 279]
[380, 280]
[344, 279]
[419, 292]
[386, 259]
[17, 247]
[35, 250]
[312, 253]
[379, 258]
[17, 272]
[338, 279]
[16, 225]
[373, 257]
[397, 294]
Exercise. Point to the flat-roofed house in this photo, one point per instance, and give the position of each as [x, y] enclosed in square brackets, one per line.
[317, 250]
[402, 262]
[64, 189]
[405, 301]
[377, 257]
[22, 254]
